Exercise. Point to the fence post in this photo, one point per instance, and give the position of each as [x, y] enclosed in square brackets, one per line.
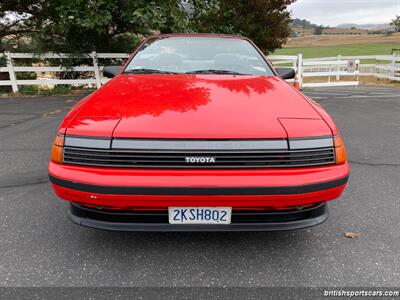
[393, 71]
[339, 58]
[300, 68]
[96, 69]
[11, 72]
[357, 62]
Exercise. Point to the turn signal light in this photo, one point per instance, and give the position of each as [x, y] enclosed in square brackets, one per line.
[57, 149]
[340, 150]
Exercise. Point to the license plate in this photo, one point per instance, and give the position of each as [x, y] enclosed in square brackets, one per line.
[199, 215]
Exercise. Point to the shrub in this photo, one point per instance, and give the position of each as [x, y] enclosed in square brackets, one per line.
[28, 89]
[60, 89]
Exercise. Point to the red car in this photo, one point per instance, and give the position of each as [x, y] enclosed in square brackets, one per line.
[198, 132]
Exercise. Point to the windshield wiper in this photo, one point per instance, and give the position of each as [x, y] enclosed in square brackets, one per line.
[148, 71]
[214, 71]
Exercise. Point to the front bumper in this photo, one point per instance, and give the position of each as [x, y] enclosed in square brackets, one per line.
[158, 220]
[129, 189]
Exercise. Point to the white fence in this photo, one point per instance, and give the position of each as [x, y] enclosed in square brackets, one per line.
[383, 66]
[97, 80]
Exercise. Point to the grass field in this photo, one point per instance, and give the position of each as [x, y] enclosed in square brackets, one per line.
[349, 50]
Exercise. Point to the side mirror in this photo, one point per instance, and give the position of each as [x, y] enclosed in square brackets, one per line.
[111, 71]
[286, 73]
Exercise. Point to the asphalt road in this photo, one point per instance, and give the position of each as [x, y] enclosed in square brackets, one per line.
[41, 247]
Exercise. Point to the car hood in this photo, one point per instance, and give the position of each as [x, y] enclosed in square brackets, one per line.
[196, 106]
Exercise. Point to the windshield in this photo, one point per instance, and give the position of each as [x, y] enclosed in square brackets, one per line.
[198, 55]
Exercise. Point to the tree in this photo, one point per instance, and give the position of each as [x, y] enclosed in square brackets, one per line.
[105, 25]
[396, 23]
[318, 30]
[266, 22]
[83, 25]
[117, 25]
[303, 23]
[19, 18]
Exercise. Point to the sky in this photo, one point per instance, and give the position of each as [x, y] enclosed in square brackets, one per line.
[335, 12]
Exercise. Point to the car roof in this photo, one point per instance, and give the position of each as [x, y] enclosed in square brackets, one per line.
[217, 35]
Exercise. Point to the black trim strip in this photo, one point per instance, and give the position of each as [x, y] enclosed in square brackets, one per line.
[198, 191]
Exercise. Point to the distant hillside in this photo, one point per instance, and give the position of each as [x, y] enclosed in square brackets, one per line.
[347, 25]
[379, 43]
[364, 26]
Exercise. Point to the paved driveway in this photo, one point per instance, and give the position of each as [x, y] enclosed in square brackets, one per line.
[41, 247]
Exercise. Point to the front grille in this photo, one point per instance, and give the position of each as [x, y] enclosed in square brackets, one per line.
[178, 158]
